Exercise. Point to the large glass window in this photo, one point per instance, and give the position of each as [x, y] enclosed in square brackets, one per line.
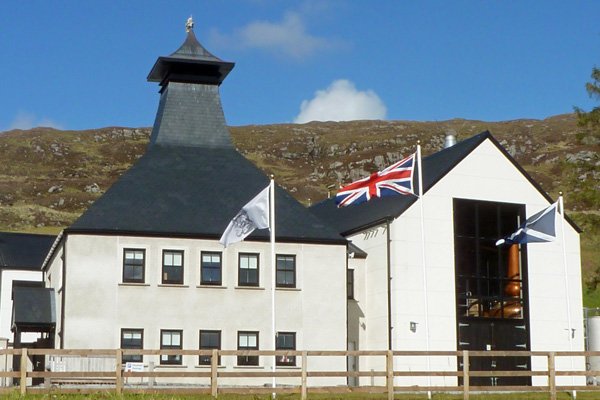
[248, 269]
[247, 341]
[172, 271]
[489, 278]
[170, 340]
[286, 341]
[132, 339]
[210, 268]
[134, 265]
[286, 271]
[209, 340]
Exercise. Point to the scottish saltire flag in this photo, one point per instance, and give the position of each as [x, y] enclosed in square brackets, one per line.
[395, 179]
[254, 215]
[539, 227]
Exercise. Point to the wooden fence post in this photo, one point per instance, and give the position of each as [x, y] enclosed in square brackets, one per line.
[214, 364]
[389, 369]
[119, 371]
[303, 390]
[466, 382]
[551, 376]
[23, 370]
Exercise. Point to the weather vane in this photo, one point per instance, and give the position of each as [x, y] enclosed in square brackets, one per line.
[189, 24]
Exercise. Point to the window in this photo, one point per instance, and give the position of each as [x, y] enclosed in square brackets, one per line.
[350, 283]
[286, 271]
[169, 340]
[172, 267]
[248, 269]
[133, 265]
[286, 341]
[132, 339]
[209, 340]
[247, 341]
[488, 285]
[210, 268]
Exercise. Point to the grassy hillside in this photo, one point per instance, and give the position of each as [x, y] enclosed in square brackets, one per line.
[49, 177]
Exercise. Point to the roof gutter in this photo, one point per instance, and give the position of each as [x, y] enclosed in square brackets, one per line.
[52, 249]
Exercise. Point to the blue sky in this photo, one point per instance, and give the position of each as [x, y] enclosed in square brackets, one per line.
[83, 64]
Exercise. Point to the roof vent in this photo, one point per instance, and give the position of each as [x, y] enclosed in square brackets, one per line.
[450, 140]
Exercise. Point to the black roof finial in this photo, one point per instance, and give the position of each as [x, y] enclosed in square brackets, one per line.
[189, 24]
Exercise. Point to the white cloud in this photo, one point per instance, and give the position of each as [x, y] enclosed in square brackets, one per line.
[287, 37]
[27, 120]
[341, 101]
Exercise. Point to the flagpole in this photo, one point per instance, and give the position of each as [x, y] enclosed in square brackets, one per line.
[424, 264]
[561, 206]
[273, 273]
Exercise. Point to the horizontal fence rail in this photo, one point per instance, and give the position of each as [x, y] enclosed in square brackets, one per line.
[90, 370]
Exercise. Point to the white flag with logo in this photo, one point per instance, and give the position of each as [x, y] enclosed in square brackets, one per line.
[253, 215]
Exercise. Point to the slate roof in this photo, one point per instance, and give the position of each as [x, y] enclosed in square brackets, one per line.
[355, 218]
[194, 192]
[33, 307]
[24, 250]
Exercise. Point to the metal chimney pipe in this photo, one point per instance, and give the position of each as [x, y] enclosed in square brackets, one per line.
[450, 140]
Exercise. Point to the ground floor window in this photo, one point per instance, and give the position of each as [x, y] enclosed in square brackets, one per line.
[286, 341]
[171, 340]
[132, 339]
[209, 340]
[247, 341]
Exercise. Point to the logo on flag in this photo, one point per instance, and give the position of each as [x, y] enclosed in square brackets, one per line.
[395, 179]
[253, 215]
[540, 227]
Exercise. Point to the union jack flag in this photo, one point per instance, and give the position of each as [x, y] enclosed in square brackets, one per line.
[395, 179]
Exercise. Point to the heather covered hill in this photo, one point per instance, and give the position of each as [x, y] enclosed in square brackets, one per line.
[49, 177]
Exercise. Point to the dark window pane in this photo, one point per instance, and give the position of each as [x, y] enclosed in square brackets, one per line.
[132, 339]
[248, 270]
[286, 341]
[209, 340]
[211, 269]
[172, 267]
[350, 283]
[286, 271]
[133, 265]
[170, 340]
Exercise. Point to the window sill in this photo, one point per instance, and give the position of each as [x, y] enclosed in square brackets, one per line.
[250, 287]
[211, 287]
[133, 284]
[177, 285]
[209, 367]
[248, 367]
[289, 289]
[287, 367]
[170, 366]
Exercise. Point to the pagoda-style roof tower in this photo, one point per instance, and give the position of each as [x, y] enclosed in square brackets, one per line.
[192, 181]
[190, 111]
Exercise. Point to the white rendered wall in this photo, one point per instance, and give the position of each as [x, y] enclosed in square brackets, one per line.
[483, 175]
[6, 303]
[99, 305]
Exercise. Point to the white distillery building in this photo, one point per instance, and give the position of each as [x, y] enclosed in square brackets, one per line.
[143, 268]
[459, 291]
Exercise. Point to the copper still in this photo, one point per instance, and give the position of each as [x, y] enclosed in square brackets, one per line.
[510, 308]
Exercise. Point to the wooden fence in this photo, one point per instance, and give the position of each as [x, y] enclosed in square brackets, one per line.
[115, 380]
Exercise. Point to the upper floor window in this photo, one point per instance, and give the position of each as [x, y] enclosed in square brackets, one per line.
[247, 341]
[132, 339]
[170, 340]
[134, 265]
[248, 269]
[209, 340]
[172, 270]
[210, 268]
[286, 271]
[286, 341]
